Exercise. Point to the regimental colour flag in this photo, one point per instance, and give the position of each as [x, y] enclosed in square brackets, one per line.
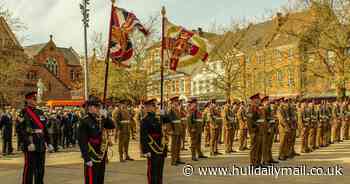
[184, 46]
[120, 46]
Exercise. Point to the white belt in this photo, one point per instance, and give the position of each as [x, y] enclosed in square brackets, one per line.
[199, 119]
[176, 121]
[38, 131]
[260, 120]
[183, 119]
[125, 121]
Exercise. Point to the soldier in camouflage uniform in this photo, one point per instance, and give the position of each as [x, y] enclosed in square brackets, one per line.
[206, 125]
[284, 130]
[175, 132]
[243, 127]
[254, 115]
[229, 122]
[313, 126]
[195, 129]
[268, 138]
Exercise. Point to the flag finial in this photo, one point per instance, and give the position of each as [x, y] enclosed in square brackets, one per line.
[163, 10]
[113, 1]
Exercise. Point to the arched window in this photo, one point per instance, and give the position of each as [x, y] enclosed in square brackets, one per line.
[52, 66]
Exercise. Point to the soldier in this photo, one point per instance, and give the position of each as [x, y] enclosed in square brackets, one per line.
[254, 115]
[305, 127]
[175, 132]
[35, 138]
[243, 127]
[328, 124]
[344, 123]
[229, 126]
[313, 126]
[183, 124]
[123, 118]
[214, 129]
[195, 129]
[293, 125]
[322, 126]
[152, 145]
[206, 125]
[268, 138]
[6, 126]
[94, 141]
[284, 130]
[336, 122]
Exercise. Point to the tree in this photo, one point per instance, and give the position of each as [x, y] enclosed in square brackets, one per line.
[123, 83]
[325, 41]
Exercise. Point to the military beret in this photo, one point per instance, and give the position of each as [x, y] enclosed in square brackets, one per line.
[175, 98]
[256, 96]
[152, 101]
[266, 98]
[30, 95]
[193, 100]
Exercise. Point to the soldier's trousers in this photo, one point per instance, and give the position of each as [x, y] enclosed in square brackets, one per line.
[175, 148]
[95, 174]
[345, 130]
[291, 142]
[335, 131]
[283, 150]
[133, 129]
[304, 139]
[327, 133]
[320, 135]
[124, 139]
[243, 136]
[220, 133]
[7, 146]
[196, 141]
[267, 147]
[229, 138]
[256, 147]
[207, 135]
[155, 166]
[312, 138]
[34, 167]
[183, 133]
[214, 132]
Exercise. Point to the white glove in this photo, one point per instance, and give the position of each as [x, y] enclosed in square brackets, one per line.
[147, 155]
[31, 147]
[50, 147]
[89, 163]
[104, 113]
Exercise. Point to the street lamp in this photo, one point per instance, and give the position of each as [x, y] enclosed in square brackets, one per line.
[85, 13]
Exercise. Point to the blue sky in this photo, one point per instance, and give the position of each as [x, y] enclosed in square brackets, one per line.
[62, 18]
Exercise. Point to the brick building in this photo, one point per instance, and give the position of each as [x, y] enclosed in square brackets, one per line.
[59, 69]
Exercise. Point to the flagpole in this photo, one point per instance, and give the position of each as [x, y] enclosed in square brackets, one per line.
[163, 12]
[107, 55]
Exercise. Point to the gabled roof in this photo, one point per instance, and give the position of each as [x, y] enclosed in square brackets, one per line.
[7, 28]
[71, 57]
[33, 50]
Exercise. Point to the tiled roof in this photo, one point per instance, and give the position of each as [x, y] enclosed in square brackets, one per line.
[33, 50]
[71, 57]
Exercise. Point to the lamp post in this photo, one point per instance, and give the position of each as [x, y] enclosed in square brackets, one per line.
[85, 13]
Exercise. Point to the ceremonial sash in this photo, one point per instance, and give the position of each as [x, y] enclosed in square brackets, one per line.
[35, 118]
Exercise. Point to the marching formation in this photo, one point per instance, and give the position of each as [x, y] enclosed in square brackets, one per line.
[256, 125]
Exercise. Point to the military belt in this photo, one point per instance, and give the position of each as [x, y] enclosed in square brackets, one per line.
[38, 131]
[176, 121]
[125, 121]
[199, 120]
